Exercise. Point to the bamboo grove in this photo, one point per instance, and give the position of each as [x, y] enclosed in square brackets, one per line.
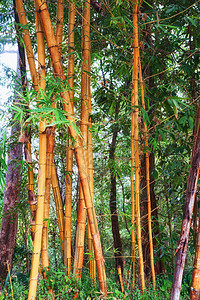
[64, 72]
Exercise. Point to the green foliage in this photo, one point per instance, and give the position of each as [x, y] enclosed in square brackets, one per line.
[65, 287]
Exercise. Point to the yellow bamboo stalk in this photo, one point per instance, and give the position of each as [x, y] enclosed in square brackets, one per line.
[195, 283]
[119, 270]
[41, 176]
[85, 95]
[92, 262]
[80, 236]
[133, 199]
[68, 208]
[27, 42]
[41, 67]
[79, 154]
[42, 155]
[44, 251]
[148, 182]
[59, 24]
[58, 203]
[136, 137]
[68, 196]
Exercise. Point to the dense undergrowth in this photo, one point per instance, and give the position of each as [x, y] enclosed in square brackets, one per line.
[16, 288]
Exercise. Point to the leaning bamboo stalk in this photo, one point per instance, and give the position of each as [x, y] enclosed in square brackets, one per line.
[79, 154]
[195, 283]
[92, 262]
[85, 95]
[58, 203]
[69, 150]
[136, 138]
[148, 182]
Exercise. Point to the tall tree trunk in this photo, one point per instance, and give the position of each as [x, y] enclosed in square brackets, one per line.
[187, 216]
[113, 196]
[13, 179]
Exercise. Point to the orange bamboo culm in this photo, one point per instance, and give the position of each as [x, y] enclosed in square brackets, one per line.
[69, 154]
[92, 262]
[136, 138]
[119, 270]
[58, 203]
[133, 199]
[85, 95]
[195, 283]
[78, 145]
[148, 182]
[59, 24]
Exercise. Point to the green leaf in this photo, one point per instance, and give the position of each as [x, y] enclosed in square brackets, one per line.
[148, 3]
[145, 116]
[192, 21]
[75, 128]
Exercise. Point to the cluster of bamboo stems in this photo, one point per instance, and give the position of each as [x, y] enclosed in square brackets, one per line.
[135, 162]
[82, 148]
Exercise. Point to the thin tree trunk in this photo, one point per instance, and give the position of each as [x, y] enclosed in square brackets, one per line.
[187, 216]
[79, 154]
[113, 197]
[136, 138]
[11, 194]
